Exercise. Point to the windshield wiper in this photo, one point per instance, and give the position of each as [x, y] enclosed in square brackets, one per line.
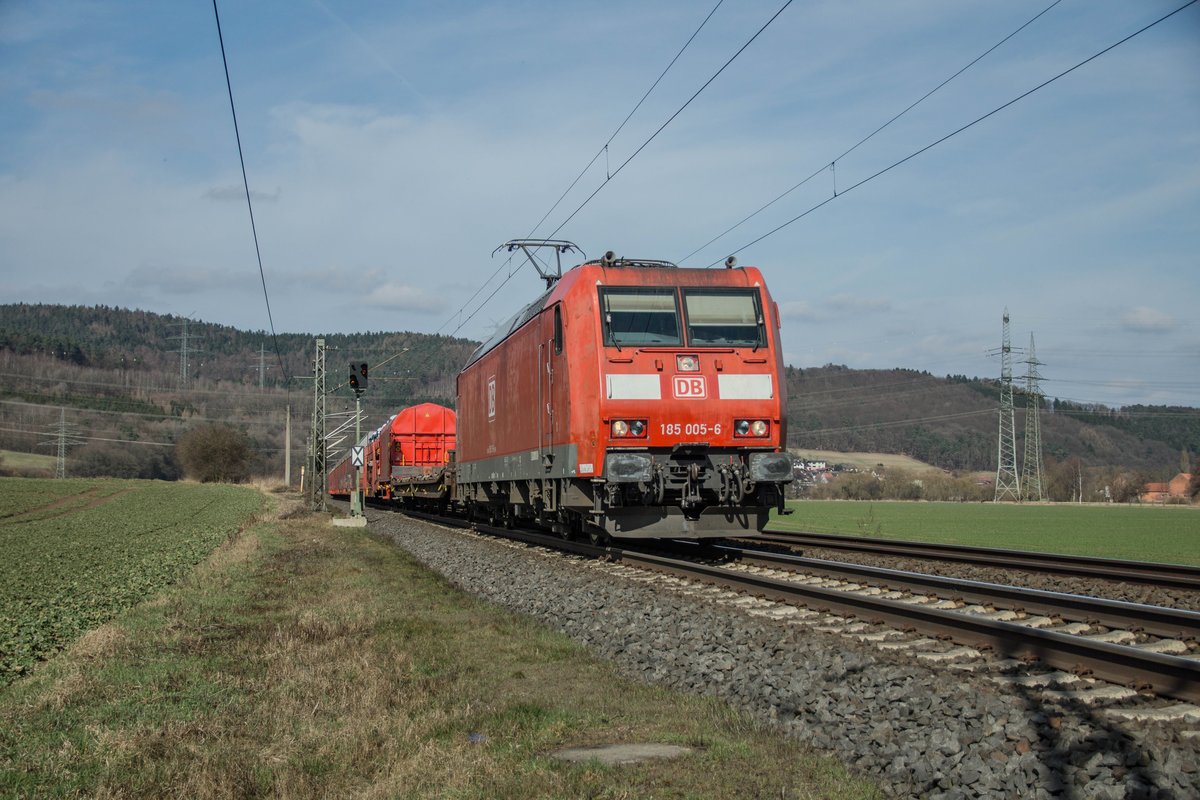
[608, 326]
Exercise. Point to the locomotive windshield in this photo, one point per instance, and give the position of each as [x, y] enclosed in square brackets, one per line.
[723, 317]
[650, 316]
[640, 316]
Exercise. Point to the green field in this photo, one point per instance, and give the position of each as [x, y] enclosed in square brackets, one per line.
[10, 459]
[1158, 533]
[77, 552]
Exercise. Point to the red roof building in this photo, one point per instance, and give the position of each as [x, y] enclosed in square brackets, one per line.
[1176, 488]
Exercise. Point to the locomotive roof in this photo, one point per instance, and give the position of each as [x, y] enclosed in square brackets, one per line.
[530, 311]
[502, 331]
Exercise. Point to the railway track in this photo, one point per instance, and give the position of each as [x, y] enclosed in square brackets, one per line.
[1104, 639]
[1180, 576]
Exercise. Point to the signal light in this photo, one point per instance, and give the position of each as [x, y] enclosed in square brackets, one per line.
[687, 363]
[358, 378]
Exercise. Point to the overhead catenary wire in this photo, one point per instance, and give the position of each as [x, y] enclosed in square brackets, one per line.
[614, 173]
[604, 148]
[671, 118]
[957, 131]
[602, 151]
[832, 164]
[249, 205]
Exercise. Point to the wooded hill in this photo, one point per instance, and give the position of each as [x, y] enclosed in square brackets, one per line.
[117, 373]
[952, 422]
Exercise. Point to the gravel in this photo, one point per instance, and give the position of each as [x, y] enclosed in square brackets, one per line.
[918, 731]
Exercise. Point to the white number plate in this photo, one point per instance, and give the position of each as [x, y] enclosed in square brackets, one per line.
[689, 428]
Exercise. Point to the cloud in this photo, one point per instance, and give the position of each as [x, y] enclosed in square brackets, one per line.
[1143, 319]
[401, 297]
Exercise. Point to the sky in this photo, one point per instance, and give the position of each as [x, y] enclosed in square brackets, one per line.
[390, 147]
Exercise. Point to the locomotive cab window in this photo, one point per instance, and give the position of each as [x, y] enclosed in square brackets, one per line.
[640, 316]
[558, 330]
[723, 318]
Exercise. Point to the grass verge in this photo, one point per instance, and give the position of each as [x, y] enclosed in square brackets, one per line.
[302, 660]
[1141, 533]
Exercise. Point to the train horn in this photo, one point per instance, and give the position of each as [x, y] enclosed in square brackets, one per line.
[730, 262]
[609, 259]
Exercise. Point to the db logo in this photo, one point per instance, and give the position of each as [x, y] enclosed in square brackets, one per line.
[690, 387]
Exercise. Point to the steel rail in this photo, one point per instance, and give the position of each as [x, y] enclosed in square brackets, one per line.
[1166, 675]
[1179, 576]
[1172, 623]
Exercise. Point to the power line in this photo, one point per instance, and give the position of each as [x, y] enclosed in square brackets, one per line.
[163, 389]
[895, 423]
[98, 438]
[872, 134]
[671, 119]
[954, 133]
[164, 417]
[246, 183]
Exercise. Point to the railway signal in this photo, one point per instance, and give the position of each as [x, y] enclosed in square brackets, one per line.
[358, 379]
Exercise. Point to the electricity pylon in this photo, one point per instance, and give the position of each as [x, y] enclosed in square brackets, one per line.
[1032, 468]
[185, 351]
[1007, 483]
[64, 436]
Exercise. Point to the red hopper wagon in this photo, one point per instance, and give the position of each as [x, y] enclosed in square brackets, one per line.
[405, 457]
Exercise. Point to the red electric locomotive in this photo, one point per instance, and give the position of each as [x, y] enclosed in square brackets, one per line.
[632, 399]
[405, 457]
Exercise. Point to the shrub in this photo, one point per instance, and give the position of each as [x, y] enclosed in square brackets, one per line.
[215, 453]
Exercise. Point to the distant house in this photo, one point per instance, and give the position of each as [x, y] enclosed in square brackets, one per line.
[1176, 488]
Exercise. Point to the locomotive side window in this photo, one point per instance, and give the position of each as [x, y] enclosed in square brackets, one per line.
[727, 318]
[558, 333]
[640, 316]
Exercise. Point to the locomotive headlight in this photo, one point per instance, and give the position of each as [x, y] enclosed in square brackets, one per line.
[687, 363]
[628, 428]
[757, 428]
